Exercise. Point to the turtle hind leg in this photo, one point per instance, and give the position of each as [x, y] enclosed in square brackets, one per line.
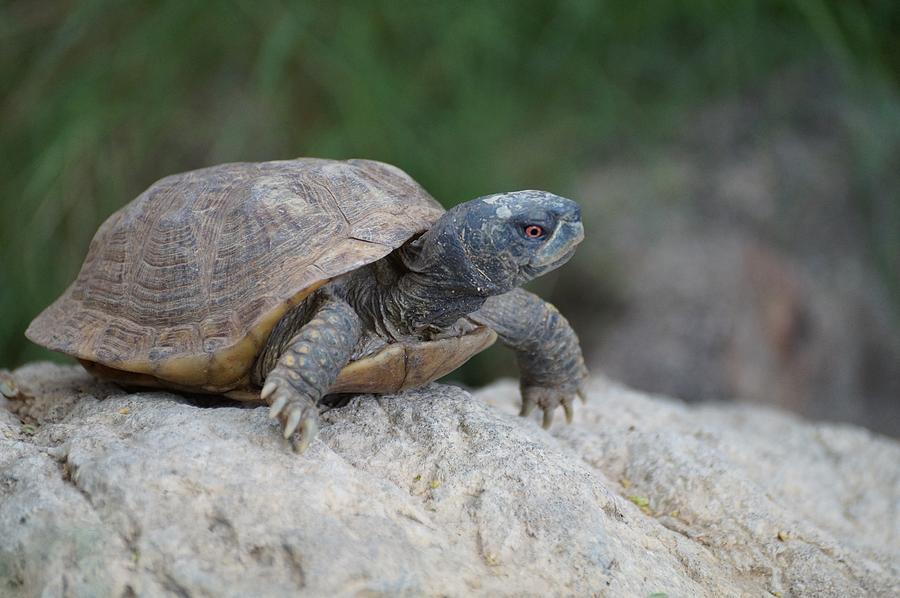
[308, 366]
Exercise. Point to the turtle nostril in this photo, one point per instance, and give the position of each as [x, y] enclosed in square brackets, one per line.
[570, 212]
[574, 215]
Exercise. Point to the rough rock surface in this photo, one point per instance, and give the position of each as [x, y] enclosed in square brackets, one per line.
[436, 492]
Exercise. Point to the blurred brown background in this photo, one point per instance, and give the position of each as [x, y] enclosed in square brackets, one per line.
[737, 161]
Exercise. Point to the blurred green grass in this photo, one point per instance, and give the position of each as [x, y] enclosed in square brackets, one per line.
[100, 98]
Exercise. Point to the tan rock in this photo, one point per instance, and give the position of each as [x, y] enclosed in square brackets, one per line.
[435, 492]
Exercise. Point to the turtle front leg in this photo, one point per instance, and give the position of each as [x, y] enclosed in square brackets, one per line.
[308, 365]
[549, 355]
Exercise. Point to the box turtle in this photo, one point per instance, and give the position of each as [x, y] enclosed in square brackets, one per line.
[290, 280]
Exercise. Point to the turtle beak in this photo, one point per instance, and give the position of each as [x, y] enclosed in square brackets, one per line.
[570, 231]
[560, 248]
[574, 230]
[567, 235]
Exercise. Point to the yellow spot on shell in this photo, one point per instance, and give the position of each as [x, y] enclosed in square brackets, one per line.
[289, 360]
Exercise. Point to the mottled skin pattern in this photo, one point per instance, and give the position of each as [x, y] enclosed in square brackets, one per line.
[467, 266]
[546, 347]
[308, 361]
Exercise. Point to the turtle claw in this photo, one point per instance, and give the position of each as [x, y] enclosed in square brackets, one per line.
[293, 420]
[528, 405]
[548, 399]
[296, 411]
[268, 389]
[548, 418]
[308, 430]
[278, 404]
[567, 407]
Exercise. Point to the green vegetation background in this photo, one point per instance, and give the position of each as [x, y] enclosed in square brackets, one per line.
[100, 98]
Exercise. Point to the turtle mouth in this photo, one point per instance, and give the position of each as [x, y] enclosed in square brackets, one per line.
[533, 270]
[561, 259]
[562, 246]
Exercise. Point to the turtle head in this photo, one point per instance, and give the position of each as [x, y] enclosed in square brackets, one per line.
[492, 244]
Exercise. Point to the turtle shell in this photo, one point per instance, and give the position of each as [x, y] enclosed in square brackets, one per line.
[185, 283]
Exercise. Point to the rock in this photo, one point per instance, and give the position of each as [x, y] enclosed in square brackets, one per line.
[436, 492]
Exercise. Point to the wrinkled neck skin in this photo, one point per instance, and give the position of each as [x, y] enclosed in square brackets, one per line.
[422, 288]
[434, 297]
[398, 303]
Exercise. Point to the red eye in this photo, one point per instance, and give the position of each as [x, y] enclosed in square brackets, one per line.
[533, 231]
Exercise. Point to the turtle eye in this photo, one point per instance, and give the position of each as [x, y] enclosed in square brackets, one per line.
[534, 231]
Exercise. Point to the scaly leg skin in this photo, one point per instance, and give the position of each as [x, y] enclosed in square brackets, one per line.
[308, 366]
[550, 362]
